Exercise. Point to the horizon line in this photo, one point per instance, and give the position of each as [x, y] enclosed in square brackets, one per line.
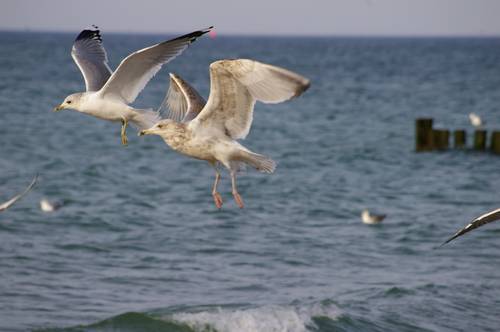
[285, 35]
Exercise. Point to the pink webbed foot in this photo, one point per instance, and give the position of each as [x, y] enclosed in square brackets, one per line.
[217, 199]
[238, 200]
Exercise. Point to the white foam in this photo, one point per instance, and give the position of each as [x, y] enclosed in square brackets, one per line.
[261, 319]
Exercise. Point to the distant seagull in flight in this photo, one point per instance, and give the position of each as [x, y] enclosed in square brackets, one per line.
[478, 222]
[209, 131]
[475, 120]
[10, 202]
[371, 219]
[108, 94]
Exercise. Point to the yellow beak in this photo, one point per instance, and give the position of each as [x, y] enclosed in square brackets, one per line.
[58, 108]
[143, 132]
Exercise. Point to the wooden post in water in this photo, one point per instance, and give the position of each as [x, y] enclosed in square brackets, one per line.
[423, 134]
[460, 138]
[441, 139]
[480, 139]
[446, 139]
[495, 142]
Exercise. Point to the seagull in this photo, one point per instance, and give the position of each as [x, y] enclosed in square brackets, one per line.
[108, 93]
[478, 222]
[475, 120]
[10, 202]
[48, 206]
[209, 131]
[371, 219]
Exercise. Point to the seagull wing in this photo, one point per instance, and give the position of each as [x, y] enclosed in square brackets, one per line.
[10, 202]
[135, 71]
[90, 56]
[478, 222]
[235, 85]
[183, 101]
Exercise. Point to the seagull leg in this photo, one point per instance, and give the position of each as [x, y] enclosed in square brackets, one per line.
[215, 194]
[124, 134]
[236, 195]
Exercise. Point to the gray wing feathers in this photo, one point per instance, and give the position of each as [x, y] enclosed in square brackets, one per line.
[183, 101]
[176, 102]
[235, 85]
[90, 57]
[478, 222]
[135, 71]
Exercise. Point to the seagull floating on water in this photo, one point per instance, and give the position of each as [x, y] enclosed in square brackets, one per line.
[371, 219]
[108, 94]
[209, 131]
[475, 120]
[10, 202]
[478, 222]
[48, 206]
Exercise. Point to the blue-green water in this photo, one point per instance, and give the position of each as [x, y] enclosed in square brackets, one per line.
[140, 246]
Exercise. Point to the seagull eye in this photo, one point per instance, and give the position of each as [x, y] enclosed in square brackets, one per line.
[68, 102]
[160, 126]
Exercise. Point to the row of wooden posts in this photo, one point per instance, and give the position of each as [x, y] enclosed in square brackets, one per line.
[429, 139]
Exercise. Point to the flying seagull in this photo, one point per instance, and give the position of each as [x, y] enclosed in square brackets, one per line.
[209, 131]
[475, 120]
[371, 219]
[479, 221]
[108, 93]
[10, 202]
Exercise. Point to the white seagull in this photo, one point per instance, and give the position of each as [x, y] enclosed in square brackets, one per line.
[475, 120]
[48, 206]
[10, 202]
[478, 222]
[209, 131]
[108, 94]
[371, 219]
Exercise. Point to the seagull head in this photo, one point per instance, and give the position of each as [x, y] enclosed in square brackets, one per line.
[70, 102]
[163, 127]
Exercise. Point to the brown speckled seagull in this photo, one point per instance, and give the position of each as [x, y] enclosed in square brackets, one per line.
[209, 131]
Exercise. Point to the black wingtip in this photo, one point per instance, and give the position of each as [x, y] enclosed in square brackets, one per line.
[90, 34]
[302, 88]
[442, 244]
[208, 29]
[459, 233]
[195, 34]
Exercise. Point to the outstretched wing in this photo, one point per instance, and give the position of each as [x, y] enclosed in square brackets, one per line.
[90, 56]
[10, 202]
[183, 101]
[235, 85]
[135, 71]
[478, 222]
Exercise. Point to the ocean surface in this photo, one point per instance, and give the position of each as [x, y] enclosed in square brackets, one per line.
[140, 246]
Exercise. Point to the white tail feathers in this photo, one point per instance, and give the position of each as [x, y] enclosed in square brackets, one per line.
[145, 119]
[259, 162]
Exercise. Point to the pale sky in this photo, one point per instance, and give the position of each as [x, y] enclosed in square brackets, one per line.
[262, 17]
